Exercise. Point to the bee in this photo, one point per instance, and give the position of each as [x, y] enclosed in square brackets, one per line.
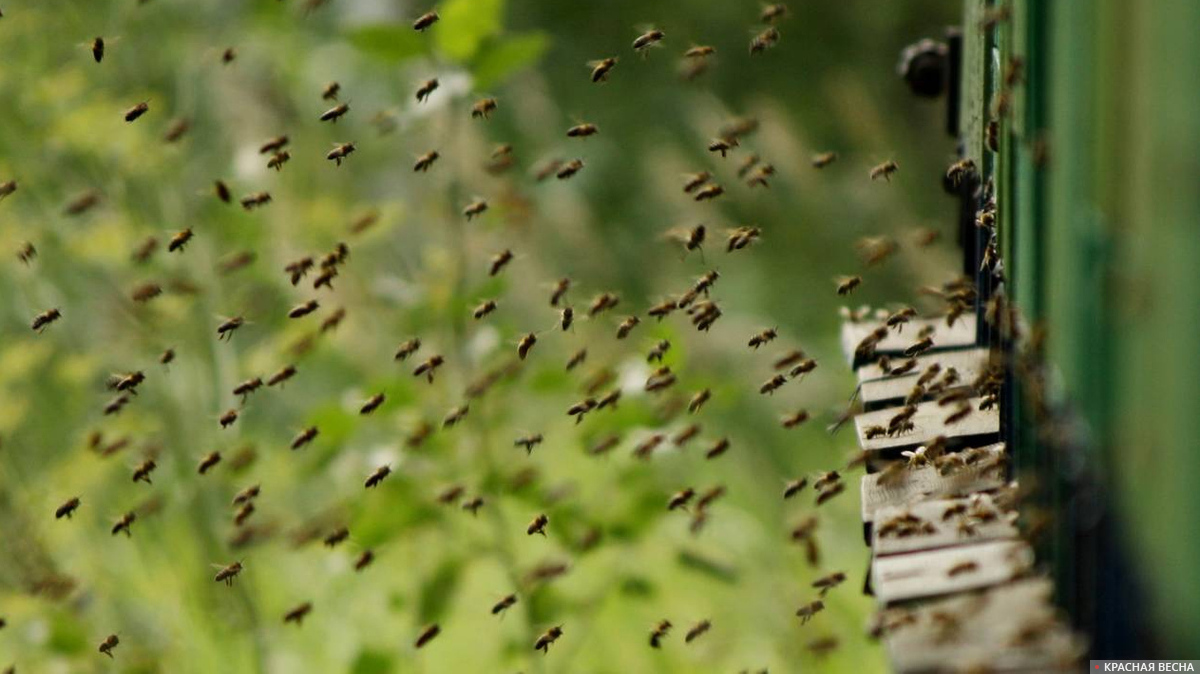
[742, 237]
[81, 203]
[110, 642]
[762, 338]
[179, 240]
[961, 170]
[680, 499]
[428, 367]
[601, 68]
[718, 448]
[660, 380]
[255, 200]
[455, 415]
[603, 302]
[827, 583]
[610, 399]
[773, 13]
[124, 523]
[748, 164]
[548, 637]
[538, 525]
[407, 349]
[695, 181]
[919, 347]
[297, 614]
[795, 419]
[847, 284]
[659, 632]
[336, 536]
[772, 384]
[525, 345]
[687, 434]
[226, 329]
[560, 291]
[604, 445]
[208, 462]
[427, 87]
[302, 310]
[372, 404]
[809, 610]
[656, 354]
[137, 111]
[364, 560]
[583, 130]
[576, 359]
[339, 152]
[528, 442]
[962, 412]
[278, 159]
[246, 495]
[764, 40]
[722, 145]
[6, 188]
[284, 374]
[697, 630]
[709, 497]
[330, 91]
[824, 159]
[128, 382]
[335, 113]
[304, 437]
[500, 261]
[829, 493]
[504, 604]
[377, 476]
[475, 208]
[450, 494]
[483, 108]
[243, 514]
[237, 262]
[228, 55]
[98, 49]
[698, 400]
[273, 145]
[579, 409]
[627, 326]
[647, 40]
[872, 432]
[961, 568]
[142, 472]
[569, 169]
[794, 487]
[44, 319]
[992, 131]
[546, 169]
[114, 406]
[67, 509]
[424, 21]
[566, 317]
[760, 176]
[823, 646]
[884, 170]
[646, 447]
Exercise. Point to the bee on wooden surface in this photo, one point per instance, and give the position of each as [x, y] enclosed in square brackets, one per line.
[538, 525]
[919, 347]
[278, 159]
[475, 208]
[255, 200]
[764, 40]
[124, 523]
[717, 449]
[809, 610]
[548, 637]
[795, 419]
[528, 442]
[143, 471]
[364, 560]
[772, 384]
[208, 462]
[583, 130]
[722, 145]
[646, 447]
[698, 400]
[427, 87]
[80, 203]
[576, 359]
[429, 367]
[67, 509]
[568, 169]
[304, 437]
[603, 302]
[339, 152]
[336, 537]
[659, 633]
[742, 237]
[847, 284]
[824, 159]
[455, 415]
[110, 642]
[697, 630]
[377, 476]
[961, 568]
[284, 374]
[962, 412]
[297, 614]
[627, 326]
[646, 40]
[136, 111]
[681, 499]
[602, 68]
[335, 113]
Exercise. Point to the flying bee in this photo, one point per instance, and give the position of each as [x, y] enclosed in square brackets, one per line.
[762, 338]
[686, 435]
[255, 200]
[794, 487]
[6, 188]
[656, 354]
[284, 374]
[722, 145]
[142, 472]
[339, 152]
[627, 326]
[298, 269]
[576, 359]
[427, 87]
[500, 261]
[425, 161]
[116, 404]
[884, 170]
[67, 509]
[483, 108]
[81, 203]
[698, 400]
[124, 523]
[528, 442]
[601, 68]
[847, 284]
[330, 91]
[278, 159]
[646, 447]
[809, 610]
[772, 384]
[304, 437]
[824, 159]
[228, 55]
[760, 175]
[560, 291]
[179, 240]
[663, 309]
[610, 399]
[455, 415]
[718, 448]
[208, 462]
[603, 302]
[680, 499]
[700, 52]
[450, 494]
[538, 525]
[243, 514]
[795, 419]
[919, 347]
[829, 493]
[773, 13]
[695, 181]
[823, 646]
[423, 22]
[333, 320]
[961, 170]
[604, 445]
[97, 47]
[44, 319]
[569, 169]
[548, 637]
[127, 382]
[407, 349]
[136, 111]
[246, 495]
[372, 404]
[428, 367]
[741, 237]
[646, 40]
[579, 409]
[297, 614]
[697, 630]
[900, 317]
[660, 380]
[335, 113]
[273, 145]
[301, 310]
[475, 208]
[472, 505]
[110, 642]
[525, 345]
[484, 309]
[226, 329]
[789, 359]
[659, 632]
[364, 560]
[764, 40]
[377, 476]
[827, 583]
[336, 536]
[504, 604]
[826, 479]
[709, 192]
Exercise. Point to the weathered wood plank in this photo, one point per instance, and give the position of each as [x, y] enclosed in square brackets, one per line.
[934, 573]
[929, 422]
[961, 334]
[875, 387]
[944, 531]
[926, 483]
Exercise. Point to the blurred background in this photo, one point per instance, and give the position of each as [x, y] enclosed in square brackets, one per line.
[828, 85]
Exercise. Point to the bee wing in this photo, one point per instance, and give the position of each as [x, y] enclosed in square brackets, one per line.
[680, 234]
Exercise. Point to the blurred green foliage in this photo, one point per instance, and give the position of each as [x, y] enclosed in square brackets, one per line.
[829, 84]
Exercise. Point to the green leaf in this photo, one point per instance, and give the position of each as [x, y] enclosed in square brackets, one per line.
[504, 57]
[388, 41]
[464, 25]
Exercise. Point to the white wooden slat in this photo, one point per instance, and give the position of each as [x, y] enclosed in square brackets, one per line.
[925, 483]
[931, 573]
